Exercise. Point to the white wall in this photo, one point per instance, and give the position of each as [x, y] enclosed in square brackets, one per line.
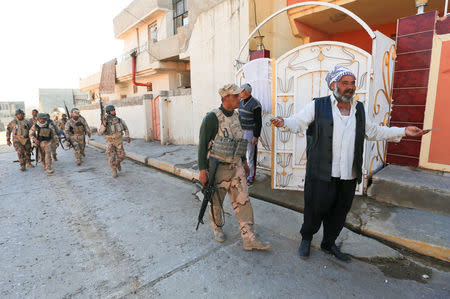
[217, 35]
[134, 117]
[180, 119]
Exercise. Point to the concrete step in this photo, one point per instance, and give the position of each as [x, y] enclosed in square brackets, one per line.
[412, 188]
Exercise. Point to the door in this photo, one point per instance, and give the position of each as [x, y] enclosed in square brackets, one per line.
[300, 77]
[156, 119]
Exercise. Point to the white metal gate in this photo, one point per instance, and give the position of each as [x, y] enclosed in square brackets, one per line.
[300, 77]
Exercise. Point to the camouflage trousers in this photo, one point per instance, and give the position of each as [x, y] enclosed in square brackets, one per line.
[231, 179]
[23, 150]
[45, 154]
[79, 144]
[54, 148]
[115, 152]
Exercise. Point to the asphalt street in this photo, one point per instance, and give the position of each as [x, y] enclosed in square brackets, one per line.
[81, 233]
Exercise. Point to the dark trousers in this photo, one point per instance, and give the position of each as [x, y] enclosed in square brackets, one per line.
[327, 202]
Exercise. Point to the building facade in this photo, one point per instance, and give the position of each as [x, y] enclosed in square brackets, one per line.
[8, 111]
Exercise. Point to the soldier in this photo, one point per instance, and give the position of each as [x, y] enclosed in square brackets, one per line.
[54, 144]
[41, 135]
[114, 128]
[218, 128]
[19, 128]
[75, 129]
[62, 122]
[34, 118]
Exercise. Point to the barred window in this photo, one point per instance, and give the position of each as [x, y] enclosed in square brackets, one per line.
[180, 17]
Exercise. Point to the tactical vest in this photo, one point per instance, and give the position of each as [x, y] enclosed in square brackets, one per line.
[78, 128]
[43, 133]
[20, 128]
[228, 145]
[246, 113]
[113, 125]
[319, 140]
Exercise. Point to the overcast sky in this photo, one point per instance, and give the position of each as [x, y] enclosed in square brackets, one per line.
[52, 43]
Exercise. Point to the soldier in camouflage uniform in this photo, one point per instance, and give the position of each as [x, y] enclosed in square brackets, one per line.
[19, 128]
[33, 120]
[76, 128]
[42, 135]
[114, 128]
[62, 122]
[231, 176]
[54, 144]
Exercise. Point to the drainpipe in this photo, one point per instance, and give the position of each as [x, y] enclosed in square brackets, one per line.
[133, 57]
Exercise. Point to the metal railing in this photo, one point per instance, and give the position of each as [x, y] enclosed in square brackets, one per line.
[138, 50]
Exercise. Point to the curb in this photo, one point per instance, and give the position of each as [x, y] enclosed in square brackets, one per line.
[437, 252]
[181, 172]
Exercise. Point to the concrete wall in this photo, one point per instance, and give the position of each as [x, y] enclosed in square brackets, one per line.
[216, 38]
[179, 116]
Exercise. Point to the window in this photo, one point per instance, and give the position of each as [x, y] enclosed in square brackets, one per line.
[180, 18]
[153, 32]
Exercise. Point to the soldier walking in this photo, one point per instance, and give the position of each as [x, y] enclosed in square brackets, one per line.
[114, 129]
[220, 129]
[42, 135]
[62, 122]
[34, 117]
[75, 129]
[54, 144]
[19, 128]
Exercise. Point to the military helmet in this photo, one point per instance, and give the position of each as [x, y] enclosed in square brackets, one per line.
[20, 111]
[109, 108]
[75, 110]
[42, 115]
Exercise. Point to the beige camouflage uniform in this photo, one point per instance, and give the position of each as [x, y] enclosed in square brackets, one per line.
[231, 178]
[21, 140]
[75, 131]
[46, 134]
[54, 144]
[115, 129]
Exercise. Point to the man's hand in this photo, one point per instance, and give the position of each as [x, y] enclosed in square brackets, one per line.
[413, 131]
[57, 144]
[277, 122]
[128, 139]
[8, 142]
[67, 143]
[203, 178]
[104, 122]
[89, 135]
[255, 140]
[36, 142]
[246, 168]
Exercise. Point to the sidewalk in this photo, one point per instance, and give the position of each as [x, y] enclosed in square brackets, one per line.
[420, 231]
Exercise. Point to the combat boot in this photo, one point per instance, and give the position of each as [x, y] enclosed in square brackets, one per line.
[219, 236]
[114, 175]
[79, 162]
[119, 168]
[54, 158]
[49, 170]
[251, 243]
[22, 167]
[29, 165]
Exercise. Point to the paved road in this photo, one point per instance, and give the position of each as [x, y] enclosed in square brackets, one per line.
[81, 233]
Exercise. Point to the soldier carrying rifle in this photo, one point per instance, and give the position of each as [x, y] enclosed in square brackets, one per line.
[221, 140]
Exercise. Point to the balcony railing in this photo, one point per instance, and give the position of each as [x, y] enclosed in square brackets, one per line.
[127, 54]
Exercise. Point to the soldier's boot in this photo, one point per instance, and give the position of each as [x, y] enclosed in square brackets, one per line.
[119, 168]
[251, 243]
[22, 167]
[219, 236]
[54, 157]
[79, 162]
[29, 165]
[83, 154]
[49, 170]
[114, 171]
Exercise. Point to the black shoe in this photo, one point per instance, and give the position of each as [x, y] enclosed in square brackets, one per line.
[304, 249]
[336, 252]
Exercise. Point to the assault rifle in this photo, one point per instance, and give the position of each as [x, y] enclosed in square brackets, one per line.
[36, 155]
[69, 117]
[102, 111]
[209, 189]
